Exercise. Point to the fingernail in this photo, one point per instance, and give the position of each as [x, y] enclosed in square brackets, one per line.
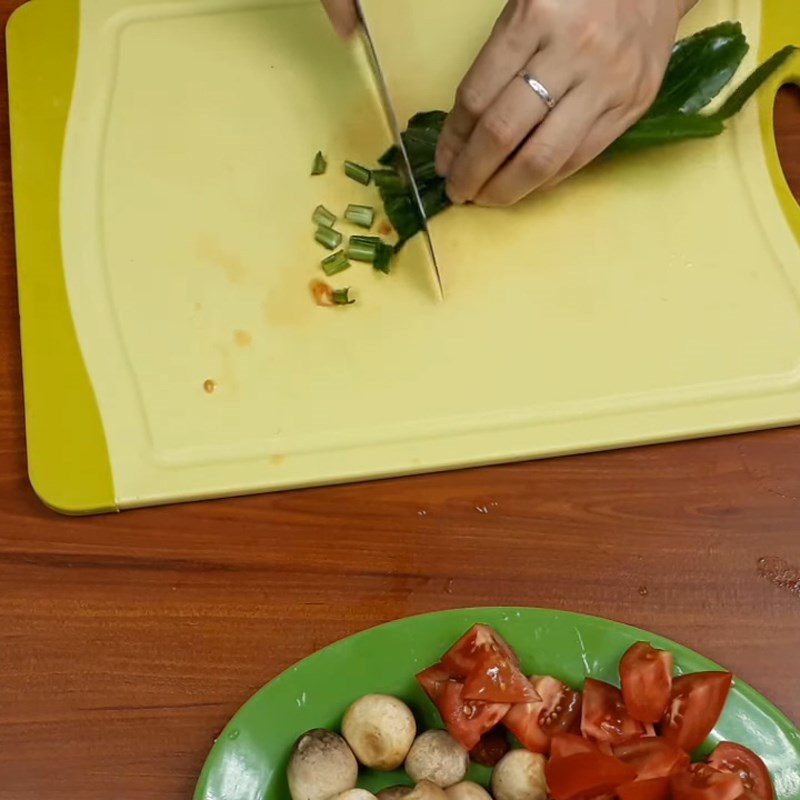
[444, 160]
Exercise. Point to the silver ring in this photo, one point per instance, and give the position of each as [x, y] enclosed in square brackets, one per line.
[539, 88]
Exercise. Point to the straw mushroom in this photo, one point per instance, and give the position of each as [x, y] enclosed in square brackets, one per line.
[321, 766]
[425, 790]
[380, 730]
[437, 757]
[467, 790]
[520, 776]
[355, 794]
[395, 793]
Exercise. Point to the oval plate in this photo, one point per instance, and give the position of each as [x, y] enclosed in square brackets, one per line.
[248, 761]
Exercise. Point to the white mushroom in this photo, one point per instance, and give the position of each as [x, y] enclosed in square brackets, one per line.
[395, 793]
[355, 794]
[425, 790]
[380, 731]
[321, 766]
[467, 790]
[437, 757]
[519, 775]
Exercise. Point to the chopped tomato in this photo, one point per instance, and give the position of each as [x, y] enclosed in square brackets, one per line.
[491, 748]
[479, 640]
[467, 720]
[737, 759]
[652, 757]
[646, 676]
[494, 678]
[695, 704]
[653, 789]
[558, 711]
[701, 782]
[605, 717]
[568, 744]
[585, 775]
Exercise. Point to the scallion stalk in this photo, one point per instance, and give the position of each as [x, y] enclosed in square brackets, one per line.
[363, 216]
[323, 217]
[333, 265]
[341, 297]
[360, 248]
[328, 237]
[358, 173]
[320, 166]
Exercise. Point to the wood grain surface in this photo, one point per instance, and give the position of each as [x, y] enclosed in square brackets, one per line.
[127, 641]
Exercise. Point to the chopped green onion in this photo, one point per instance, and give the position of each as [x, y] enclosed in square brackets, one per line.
[328, 237]
[320, 166]
[360, 249]
[389, 182]
[383, 258]
[363, 216]
[333, 265]
[323, 217]
[357, 173]
[341, 297]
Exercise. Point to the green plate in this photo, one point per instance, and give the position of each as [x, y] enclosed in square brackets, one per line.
[248, 761]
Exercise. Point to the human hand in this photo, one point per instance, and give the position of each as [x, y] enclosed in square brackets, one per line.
[343, 15]
[602, 61]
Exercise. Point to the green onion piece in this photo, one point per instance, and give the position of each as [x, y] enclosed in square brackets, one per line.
[333, 265]
[357, 173]
[365, 239]
[383, 258]
[359, 249]
[323, 217]
[328, 237]
[363, 216]
[341, 297]
[389, 182]
[320, 166]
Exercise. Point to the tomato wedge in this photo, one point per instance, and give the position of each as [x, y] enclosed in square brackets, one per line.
[568, 744]
[467, 720]
[465, 654]
[604, 716]
[653, 789]
[646, 677]
[701, 782]
[558, 711]
[494, 678]
[652, 757]
[695, 705]
[585, 775]
[491, 748]
[753, 772]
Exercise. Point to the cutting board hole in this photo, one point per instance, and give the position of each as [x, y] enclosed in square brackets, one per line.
[787, 134]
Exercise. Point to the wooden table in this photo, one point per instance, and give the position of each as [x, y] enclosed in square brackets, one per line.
[127, 641]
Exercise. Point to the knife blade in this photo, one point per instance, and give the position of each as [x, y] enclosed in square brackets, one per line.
[394, 126]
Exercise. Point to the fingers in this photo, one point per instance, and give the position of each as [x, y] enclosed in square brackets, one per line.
[504, 126]
[503, 55]
[343, 15]
[550, 147]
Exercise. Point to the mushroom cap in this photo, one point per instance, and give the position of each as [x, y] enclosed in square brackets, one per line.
[425, 790]
[399, 792]
[380, 730]
[519, 775]
[437, 757]
[355, 794]
[321, 766]
[467, 790]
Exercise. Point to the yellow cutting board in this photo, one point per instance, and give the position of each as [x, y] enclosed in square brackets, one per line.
[171, 351]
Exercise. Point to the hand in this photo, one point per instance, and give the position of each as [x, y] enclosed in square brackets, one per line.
[343, 15]
[601, 60]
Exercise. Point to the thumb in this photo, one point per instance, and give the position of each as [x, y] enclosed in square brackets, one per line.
[343, 15]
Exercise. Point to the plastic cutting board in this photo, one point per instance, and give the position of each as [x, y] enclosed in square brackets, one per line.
[171, 351]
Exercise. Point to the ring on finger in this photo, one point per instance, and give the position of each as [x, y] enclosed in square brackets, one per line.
[539, 89]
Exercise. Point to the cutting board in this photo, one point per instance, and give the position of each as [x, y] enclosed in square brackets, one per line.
[171, 350]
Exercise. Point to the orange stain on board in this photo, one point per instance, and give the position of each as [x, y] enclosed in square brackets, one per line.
[209, 387]
[277, 459]
[211, 253]
[242, 338]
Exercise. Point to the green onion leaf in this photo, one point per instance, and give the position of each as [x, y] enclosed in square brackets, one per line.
[323, 217]
[333, 265]
[358, 173]
[383, 258]
[389, 182]
[341, 297]
[320, 165]
[363, 216]
[328, 237]
[390, 157]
